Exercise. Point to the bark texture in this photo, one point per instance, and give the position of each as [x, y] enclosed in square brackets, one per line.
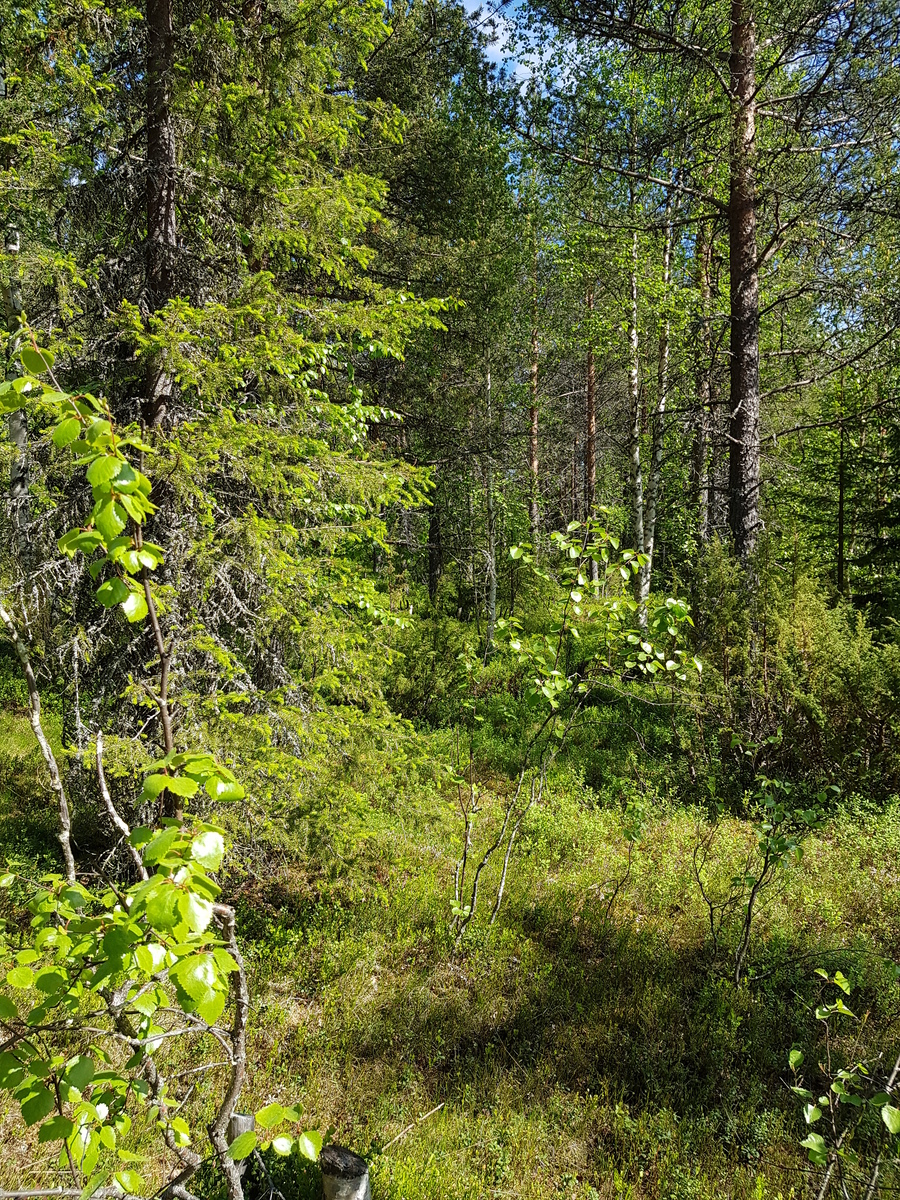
[161, 224]
[634, 398]
[19, 506]
[700, 465]
[743, 472]
[534, 516]
[590, 420]
[34, 716]
[658, 425]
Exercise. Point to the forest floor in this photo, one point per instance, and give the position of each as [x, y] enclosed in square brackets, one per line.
[585, 1045]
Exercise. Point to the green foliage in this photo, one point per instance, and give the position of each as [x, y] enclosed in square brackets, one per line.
[109, 968]
[100, 973]
[856, 1089]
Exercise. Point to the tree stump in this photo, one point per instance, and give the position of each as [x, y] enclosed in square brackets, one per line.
[345, 1175]
[239, 1123]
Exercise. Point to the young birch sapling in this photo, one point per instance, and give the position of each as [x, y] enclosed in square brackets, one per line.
[594, 642]
[105, 978]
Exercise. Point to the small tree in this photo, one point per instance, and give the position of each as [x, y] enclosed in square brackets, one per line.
[594, 640]
[856, 1085]
[104, 978]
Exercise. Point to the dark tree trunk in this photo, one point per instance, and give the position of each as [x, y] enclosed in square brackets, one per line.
[161, 229]
[19, 495]
[743, 475]
[435, 551]
[590, 421]
[842, 489]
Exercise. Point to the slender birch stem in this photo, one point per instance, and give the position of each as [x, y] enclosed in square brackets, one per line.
[34, 716]
[114, 816]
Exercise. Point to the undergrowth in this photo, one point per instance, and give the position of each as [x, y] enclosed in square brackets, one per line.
[591, 1043]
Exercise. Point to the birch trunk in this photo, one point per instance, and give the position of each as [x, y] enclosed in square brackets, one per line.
[658, 424]
[700, 466]
[534, 515]
[590, 434]
[34, 716]
[491, 605]
[743, 472]
[634, 397]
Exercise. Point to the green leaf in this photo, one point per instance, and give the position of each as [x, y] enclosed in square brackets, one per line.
[37, 1104]
[270, 1116]
[197, 974]
[80, 1072]
[811, 1113]
[135, 607]
[843, 983]
[8, 1010]
[113, 592]
[12, 1071]
[224, 789]
[243, 1145]
[109, 520]
[36, 362]
[162, 843]
[197, 911]
[181, 1130]
[127, 479]
[20, 977]
[162, 908]
[85, 540]
[150, 958]
[795, 1059]
[50, 982]
[103, 469]
[57, 1128]
[891, 1117]
[150, 556]
[224, 961]
[153, 785]
[130, 1181]
[66, 431]
[310, 1144]
[282, 1145]
[181, 785]
[815, 1144]
[208, 849]
[210, 1008]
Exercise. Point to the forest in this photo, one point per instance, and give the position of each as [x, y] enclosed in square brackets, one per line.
[450, 599]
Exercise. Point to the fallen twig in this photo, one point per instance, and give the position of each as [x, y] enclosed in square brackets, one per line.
[405, 1131]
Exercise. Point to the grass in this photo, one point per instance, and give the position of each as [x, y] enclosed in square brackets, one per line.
[580, 1048]
[575, 1051]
